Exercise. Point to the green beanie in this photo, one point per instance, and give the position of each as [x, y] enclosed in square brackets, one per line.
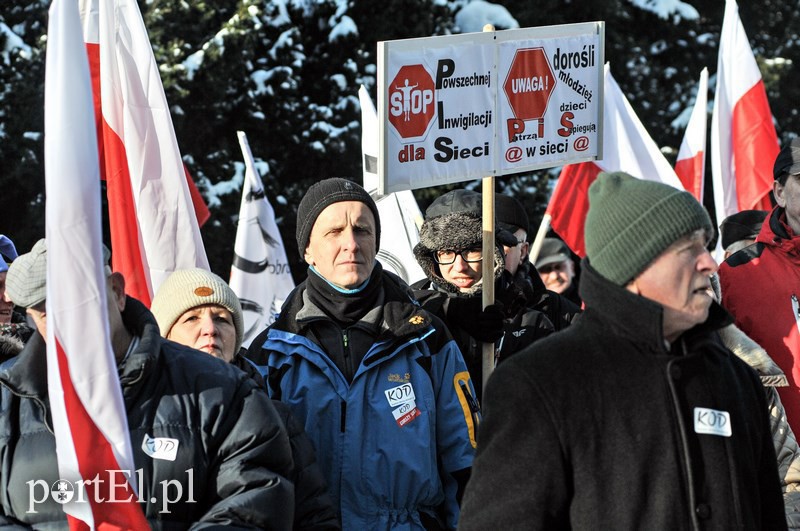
[631, 221]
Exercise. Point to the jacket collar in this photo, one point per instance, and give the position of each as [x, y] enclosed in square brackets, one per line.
[637, 318]
[399, 314]
[774, 233]
[140, 322]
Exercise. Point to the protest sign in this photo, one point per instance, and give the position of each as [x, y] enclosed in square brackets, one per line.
[462, 107]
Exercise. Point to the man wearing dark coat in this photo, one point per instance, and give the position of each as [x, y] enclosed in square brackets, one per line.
[635, 416]
[231, 452]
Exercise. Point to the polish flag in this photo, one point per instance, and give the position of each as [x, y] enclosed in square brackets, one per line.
[691, 163]
[626, 147]
[743, 139]
[400, 214]
[154, 229]
[89, 421]
[260, 274]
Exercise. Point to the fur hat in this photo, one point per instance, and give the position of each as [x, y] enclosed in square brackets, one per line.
[321, 195]
[185, 289]
[453, 221]
[631, 221]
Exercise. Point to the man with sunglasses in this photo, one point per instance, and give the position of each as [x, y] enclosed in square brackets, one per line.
[450, 254]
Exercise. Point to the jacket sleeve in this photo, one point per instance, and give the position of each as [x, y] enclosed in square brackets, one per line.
[458, 415]
[252, 460]
[520, 478]
[788, 455]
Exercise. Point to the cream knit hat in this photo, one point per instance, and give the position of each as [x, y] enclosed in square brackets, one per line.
[188, 288]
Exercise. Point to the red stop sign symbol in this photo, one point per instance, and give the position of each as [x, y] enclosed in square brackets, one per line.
[411, 105]
[529, 84]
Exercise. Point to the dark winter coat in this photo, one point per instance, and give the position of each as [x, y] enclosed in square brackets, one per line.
[601, 426]
[560, 310]
[760, 287]
[313, 508]
[522, 326]
[232, 451]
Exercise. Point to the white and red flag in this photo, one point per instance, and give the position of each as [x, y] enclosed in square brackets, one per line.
[89, 421]
[154, 230]
[401, 217]
[627, 147]
[260, 273]
[691, 162]
[743, 139]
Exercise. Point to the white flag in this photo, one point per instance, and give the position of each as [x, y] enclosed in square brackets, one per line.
[260, 274]
[89, 421]
[744, 144]
[400, 214]
[691, 162]
[154, 229]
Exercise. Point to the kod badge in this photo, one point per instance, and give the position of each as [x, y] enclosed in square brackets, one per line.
[400, 394]
[712, 422]
[160, 447]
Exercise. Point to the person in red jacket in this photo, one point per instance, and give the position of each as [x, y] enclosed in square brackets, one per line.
[761, 283]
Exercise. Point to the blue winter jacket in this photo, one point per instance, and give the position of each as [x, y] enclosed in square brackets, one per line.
[394, 443]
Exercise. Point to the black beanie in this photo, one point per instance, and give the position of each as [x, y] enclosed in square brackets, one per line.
[510, 213]
[321, 195]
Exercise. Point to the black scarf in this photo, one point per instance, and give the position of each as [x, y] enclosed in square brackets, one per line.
[345, 309]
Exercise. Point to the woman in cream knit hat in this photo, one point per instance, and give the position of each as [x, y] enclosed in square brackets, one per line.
[197, 308]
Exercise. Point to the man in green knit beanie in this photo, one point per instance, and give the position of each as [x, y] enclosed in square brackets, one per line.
[635, 416]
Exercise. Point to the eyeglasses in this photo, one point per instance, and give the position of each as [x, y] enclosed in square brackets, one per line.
[448, 256]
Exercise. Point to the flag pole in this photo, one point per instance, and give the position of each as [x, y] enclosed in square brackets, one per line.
[536, 246]
[488, 349]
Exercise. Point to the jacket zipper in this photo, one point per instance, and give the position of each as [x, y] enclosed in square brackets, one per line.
[348, 359]
[796, 310]
[38, 402]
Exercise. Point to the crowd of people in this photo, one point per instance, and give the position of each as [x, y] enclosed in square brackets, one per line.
[644, 387]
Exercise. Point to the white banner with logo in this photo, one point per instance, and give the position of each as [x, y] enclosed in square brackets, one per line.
[461, 107]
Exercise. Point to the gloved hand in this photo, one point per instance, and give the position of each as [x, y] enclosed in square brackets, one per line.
[485, 325]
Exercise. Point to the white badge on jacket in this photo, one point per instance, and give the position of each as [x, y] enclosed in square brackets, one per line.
[402, 398]
[712, 422]
[160, 447]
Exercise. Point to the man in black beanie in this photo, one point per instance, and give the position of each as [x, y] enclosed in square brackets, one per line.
[740, 230]
[635, 416]
[378, 382]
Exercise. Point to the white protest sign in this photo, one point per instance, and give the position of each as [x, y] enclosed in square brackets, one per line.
[462, 107]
